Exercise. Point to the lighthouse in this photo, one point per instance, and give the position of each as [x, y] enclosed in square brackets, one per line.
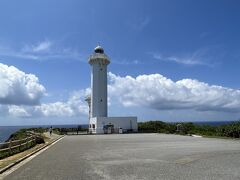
[99, 62]
[99, 122]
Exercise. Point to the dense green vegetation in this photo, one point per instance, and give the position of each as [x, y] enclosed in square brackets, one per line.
[231, 130]
[24, 133]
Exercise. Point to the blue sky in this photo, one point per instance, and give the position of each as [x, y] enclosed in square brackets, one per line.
[196, 40]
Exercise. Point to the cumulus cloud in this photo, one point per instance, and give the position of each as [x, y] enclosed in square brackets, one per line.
[18, 111]
[19, 88]
[74, 106]
[158, 92]
[20, 96]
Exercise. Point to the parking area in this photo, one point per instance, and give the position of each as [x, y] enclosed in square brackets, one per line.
[135, 156]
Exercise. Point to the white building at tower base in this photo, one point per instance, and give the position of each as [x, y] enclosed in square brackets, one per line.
[107, 125]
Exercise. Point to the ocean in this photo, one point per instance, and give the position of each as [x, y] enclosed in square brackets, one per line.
[6, 131]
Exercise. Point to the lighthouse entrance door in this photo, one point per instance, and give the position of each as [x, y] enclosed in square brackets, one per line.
[108, 129]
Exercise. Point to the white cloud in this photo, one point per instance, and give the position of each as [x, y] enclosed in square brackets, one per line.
[41, 51]
[20, 96]
[43, 46]
[198, 57]
[186, 60]
[158, 92]
[18, 111]
[19, 88]
[124, 61]
[54, 109]
[74, 106]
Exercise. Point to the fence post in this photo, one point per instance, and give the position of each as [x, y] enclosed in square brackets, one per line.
[20, 142]
[25, 144]
[29, 142]
[33, 139]
[34, 136]
[10, 147]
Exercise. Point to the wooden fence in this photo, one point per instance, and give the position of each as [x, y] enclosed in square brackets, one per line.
[12, 147]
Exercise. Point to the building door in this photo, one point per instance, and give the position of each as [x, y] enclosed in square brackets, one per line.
[108, 129]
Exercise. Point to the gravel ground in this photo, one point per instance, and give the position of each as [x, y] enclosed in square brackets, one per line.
[135, 156]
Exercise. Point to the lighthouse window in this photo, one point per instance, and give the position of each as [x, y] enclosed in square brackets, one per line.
[101, 69]
[101, 100]
[93, 126]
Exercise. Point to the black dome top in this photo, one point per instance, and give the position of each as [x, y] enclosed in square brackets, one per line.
[99, 49]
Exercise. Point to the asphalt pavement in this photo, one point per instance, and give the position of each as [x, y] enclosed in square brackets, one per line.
[135, 156]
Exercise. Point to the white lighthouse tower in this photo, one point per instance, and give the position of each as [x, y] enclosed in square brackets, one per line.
[99, 62]
[99, 122]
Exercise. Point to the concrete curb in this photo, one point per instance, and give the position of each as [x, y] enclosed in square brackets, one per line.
[27, 156]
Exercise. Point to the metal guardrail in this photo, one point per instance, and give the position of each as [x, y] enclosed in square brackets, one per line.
[11, 146]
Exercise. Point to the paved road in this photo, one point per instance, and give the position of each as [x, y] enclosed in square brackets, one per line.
[135, 156]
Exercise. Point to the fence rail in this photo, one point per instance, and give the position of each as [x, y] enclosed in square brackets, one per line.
[18, 145]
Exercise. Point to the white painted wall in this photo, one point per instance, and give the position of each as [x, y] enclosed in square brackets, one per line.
[126, 123]
[99, 64]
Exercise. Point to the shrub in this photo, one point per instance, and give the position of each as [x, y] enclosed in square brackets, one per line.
[230, 130]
